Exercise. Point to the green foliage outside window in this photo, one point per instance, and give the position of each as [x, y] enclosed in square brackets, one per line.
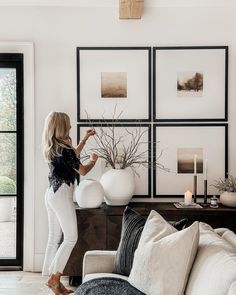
[7, 185]
[8, 123]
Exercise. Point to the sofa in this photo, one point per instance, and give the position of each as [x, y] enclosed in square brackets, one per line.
[197, 260]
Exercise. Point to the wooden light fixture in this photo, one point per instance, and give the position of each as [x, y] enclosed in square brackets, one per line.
[131, 9]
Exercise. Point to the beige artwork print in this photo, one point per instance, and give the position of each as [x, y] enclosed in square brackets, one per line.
[113, 84]
[185, 159]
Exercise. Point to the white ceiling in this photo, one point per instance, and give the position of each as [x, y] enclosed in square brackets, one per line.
[115, 3]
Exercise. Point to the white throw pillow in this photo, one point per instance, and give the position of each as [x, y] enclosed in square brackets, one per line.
[214, 269]
[161, 266]
[232, 290]
[230, 237]
[155, 228]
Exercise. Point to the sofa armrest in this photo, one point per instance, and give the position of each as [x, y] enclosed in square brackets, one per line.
[98, 261]
[232, 289]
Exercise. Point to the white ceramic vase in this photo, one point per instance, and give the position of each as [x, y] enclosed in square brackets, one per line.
[118, 186]
[228, 199]
[89, 193]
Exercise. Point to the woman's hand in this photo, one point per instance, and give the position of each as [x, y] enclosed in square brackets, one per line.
[80, 146]
[84, 169]
[93, 158]
[89, 132]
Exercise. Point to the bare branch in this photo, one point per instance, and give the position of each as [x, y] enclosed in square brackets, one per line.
[124, 150]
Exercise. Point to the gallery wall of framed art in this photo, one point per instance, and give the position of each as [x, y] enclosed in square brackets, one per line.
[179, 95]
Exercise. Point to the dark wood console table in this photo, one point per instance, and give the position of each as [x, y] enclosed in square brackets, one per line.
[99, 229]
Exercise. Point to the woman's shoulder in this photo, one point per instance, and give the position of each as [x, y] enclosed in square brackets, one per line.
[68, 151]
[64, 151]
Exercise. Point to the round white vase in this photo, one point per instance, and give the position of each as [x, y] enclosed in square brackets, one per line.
[118, 186]
[228, 199]
[89, 193]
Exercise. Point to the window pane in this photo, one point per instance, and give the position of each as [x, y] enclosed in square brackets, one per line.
[7, 163]
[11, 147]
[7, 99]
[7, 227]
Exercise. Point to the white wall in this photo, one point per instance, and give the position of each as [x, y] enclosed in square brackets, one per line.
[57, 31]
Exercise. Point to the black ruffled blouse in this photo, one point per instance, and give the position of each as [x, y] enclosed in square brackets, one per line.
[61, 168]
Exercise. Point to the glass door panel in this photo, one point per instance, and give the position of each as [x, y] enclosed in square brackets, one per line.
[11, 160]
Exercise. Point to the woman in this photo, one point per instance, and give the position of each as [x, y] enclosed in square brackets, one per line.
[64, 166]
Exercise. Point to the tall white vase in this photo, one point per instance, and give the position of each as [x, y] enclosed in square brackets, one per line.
[89, 193]
[118, 186]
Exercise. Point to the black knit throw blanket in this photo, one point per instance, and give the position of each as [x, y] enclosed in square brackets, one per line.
[107, 286]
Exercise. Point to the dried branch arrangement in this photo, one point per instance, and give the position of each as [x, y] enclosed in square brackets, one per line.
[122, 151]
[226, 185]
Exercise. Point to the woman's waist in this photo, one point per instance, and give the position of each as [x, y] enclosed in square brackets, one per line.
[62, 184]
[61, 178]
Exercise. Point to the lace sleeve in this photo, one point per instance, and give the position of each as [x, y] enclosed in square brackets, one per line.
[71, 158]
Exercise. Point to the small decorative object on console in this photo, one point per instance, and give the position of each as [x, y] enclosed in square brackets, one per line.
[205, 183]
[188, 198]
[195, 180]
[182, 205]
[214, 202]
[227, 187]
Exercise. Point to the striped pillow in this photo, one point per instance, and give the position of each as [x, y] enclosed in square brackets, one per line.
[132, 227]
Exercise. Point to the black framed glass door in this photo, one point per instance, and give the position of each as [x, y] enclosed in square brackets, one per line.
[11, 160]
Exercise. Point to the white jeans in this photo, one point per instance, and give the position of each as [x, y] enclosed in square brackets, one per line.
[61, 219]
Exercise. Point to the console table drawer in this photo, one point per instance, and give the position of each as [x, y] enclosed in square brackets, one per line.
[114, 224]
[91, 236]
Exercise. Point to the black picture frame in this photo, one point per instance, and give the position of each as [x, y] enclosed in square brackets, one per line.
[208, 61]
[125, 125]
[146, 98]
[191, 135]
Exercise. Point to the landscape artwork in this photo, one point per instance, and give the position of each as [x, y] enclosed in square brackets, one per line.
[189, 84]
[114, 84]
[185, 160]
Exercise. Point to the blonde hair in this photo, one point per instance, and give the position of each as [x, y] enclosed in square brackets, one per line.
[55, 134]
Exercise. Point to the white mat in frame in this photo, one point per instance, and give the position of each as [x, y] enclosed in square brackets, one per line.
[212, 139]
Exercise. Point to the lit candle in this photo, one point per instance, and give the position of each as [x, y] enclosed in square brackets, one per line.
[195, 164]
[188, 198]
[205, 170]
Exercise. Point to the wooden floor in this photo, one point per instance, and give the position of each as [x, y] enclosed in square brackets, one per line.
[25, 283]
